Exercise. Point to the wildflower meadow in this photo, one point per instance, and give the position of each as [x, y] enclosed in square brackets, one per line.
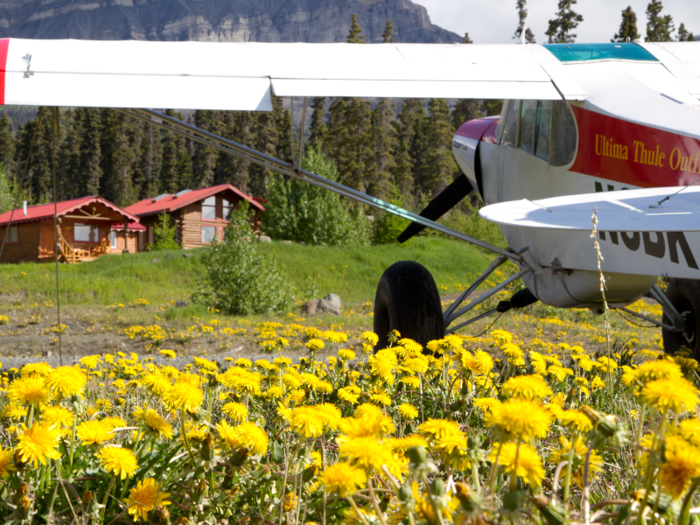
[476, 430]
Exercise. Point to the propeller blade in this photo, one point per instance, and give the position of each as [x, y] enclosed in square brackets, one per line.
[440, 205]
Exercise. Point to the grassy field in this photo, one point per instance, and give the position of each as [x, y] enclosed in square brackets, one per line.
[159, 277]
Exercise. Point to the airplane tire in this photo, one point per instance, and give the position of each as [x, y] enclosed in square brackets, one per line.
[684, 294]
[407, 300]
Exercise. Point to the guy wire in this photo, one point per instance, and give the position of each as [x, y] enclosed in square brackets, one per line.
[56, 131]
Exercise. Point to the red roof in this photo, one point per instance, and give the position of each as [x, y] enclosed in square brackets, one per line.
[170, 203]
[133, 226]
[46, 211]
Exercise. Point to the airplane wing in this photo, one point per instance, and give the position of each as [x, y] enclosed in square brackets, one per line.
[654, 231]
[241, 76]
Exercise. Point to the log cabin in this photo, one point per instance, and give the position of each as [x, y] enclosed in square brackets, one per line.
[85, 228]
[200, 216]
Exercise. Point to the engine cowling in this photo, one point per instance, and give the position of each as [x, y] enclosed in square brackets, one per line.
[465, 147]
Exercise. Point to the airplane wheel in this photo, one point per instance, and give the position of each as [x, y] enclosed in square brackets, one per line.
[407, 300]
[684, 294]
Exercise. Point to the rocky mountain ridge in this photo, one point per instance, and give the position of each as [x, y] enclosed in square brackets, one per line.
[217, 20]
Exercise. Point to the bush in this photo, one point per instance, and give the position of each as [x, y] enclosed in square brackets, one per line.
[239, 280]
[301, 212]
[164, 232]
[389, 226]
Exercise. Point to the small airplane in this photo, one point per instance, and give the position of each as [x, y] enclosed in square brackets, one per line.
[612, 128]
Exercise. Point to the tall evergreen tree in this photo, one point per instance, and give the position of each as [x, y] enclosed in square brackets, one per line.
[6, 194]
[466, 39]
[174, 172]
[317, 129]
[205, 157]
[659, 28]
[410, 124]
[119, 145]
[522, 17]
[69, 155]
[559, 30]
[38, 183]
[355, 35]
[440, 167]
[150, 157]
[384, 140]
[492, 107]
[89, 166]
[684, 35]
[283, 121]
[628, 27]
[7, 146]
[388, 35]
[266, 135]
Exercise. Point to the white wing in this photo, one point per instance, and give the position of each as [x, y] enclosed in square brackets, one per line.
[641, 232]
[239, 76]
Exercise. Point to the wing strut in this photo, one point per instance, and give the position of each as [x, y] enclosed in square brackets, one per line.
[289, 169]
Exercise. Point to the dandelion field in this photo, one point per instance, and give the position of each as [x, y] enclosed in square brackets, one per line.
[481, 430]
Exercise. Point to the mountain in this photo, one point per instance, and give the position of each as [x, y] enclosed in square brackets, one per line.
[217, 20]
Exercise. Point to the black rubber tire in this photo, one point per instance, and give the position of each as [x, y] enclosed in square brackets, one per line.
[684, 294]
[407, 300]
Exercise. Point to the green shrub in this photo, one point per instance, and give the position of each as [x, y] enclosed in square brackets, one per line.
[164, 231]
[240, 281]
[301, 212]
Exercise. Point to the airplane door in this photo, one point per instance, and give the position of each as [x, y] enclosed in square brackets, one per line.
[507, 149]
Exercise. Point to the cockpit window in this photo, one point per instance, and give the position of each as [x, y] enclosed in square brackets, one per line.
[544, 129]
[510, 133]
[564, 140]
[528, 126]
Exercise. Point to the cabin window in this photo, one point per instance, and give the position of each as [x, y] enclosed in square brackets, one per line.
[113, 240]
[544, 129]
[85, 232]
[510, 132]
[208, 234]
[528, 126]
[564, 140]
[228, 208]
[14, 235]
[209, 209]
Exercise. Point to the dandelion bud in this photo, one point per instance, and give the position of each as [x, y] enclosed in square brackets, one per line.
[160, 516]
[23, 506]
[553, 514]
[606, 427]
[308, 473]
[417, 456]
[406, 497]
[239, 457]
[437, 487]
[207, 449]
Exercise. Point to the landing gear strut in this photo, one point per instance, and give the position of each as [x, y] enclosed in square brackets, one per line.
[684, 295]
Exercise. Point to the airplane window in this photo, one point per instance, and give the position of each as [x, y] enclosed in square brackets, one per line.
[544, 129]
[564, 139]
[510, 134]
[528, 125]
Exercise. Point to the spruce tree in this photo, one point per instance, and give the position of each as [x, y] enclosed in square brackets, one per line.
[317, 129]
[466, 39]
[86, 168]
[150, 157]
[38, 183]
[522, 16]
[559, 30]
[7, 146]
[492, 107]
[384, 140]
[205, 157]
[659, 28]
[388, 35]
[266, 135]
[283, 121]
[69, 157]
[119, 143]
[684, 35]
[628, 27]
[6, 194]
[440, 167]
[355, 35]
[410, 124]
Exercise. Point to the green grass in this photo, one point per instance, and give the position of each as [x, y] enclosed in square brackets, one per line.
[351, 272]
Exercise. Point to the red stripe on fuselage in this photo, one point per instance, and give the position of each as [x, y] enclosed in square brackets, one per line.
[4, 47]
[629, 153]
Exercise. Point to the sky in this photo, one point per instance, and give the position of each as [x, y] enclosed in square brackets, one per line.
[495, 21]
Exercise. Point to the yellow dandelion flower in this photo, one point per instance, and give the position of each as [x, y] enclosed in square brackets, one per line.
[66, 381]
[38, 443]
[370, 338]
[156, 383]
[154, 422]
[408, 411]
[595, 463]
[501, 337]
[94, 432]
[6, 462]
[335, 337]
[184, 396]
[404, 443]
[144, 497]
[346, 354]
[381, 399]
[245, 435]
[314, 345]
[576, 420]
[597, 383]
[348, 395]
[29, 391]
[169, 354]
[36, 369]
[368, 453]
[118, 461]
[58, 416]
[526, 387]
[411, 381]
[342, 479]
[678, 395]
[529, 463]
[519, 419]
[681, 465]
[690, 430]
[437, 429]
[238, 412]
[486, 403]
